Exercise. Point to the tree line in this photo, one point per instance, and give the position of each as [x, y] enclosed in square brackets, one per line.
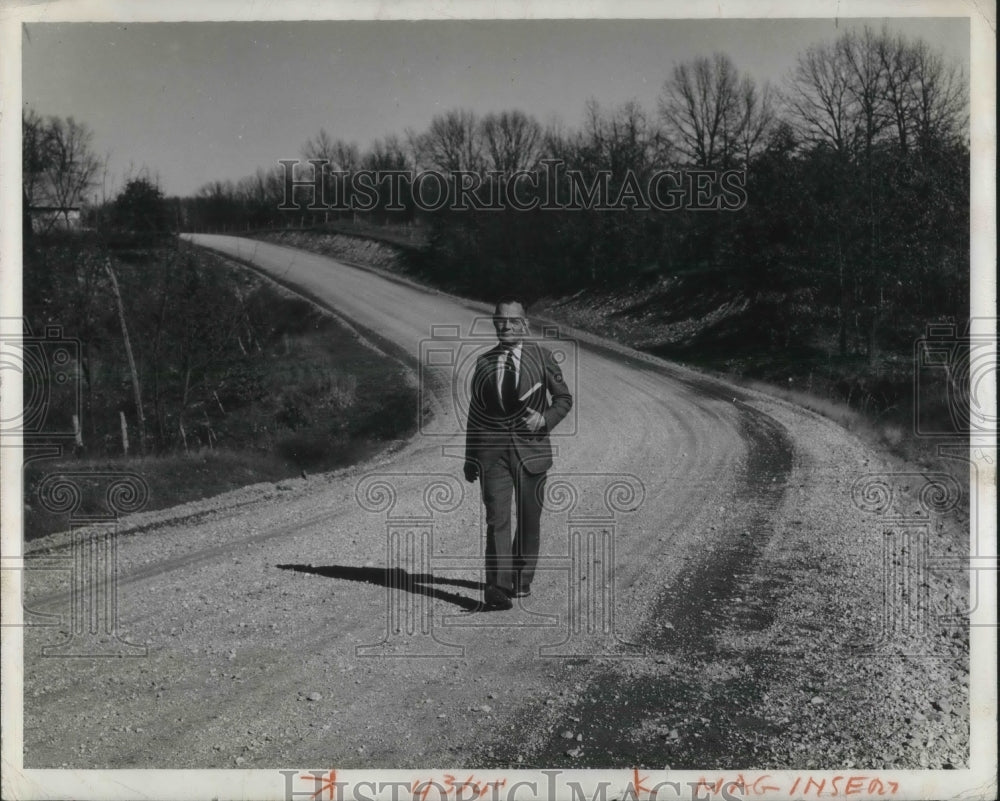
[856, 176]
[856, 181]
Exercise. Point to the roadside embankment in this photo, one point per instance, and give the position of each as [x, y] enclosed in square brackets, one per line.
[241, 381]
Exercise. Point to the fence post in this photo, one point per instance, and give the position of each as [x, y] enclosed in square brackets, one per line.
[121, 416]
[131, 359]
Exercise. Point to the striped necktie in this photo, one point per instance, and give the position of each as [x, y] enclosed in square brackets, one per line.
[508, 382]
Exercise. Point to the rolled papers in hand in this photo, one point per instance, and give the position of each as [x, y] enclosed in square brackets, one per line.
[524, 397]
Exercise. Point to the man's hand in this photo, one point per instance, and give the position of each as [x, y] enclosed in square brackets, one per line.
[534, 421]
[471, 471]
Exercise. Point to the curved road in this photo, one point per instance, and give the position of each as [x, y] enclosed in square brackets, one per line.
[333, 623]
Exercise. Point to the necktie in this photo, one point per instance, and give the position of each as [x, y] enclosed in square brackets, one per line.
[508, 383]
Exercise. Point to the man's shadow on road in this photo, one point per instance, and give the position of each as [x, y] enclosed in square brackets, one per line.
[398, 579]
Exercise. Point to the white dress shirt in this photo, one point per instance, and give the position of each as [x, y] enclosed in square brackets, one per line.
[514, 352]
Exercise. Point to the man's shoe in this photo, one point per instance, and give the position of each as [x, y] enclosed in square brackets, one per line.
[521, 592]
[496, 598]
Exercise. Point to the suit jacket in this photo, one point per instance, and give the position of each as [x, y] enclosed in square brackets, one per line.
[541, 385]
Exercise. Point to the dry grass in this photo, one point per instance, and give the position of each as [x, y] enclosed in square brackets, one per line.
[306, 395]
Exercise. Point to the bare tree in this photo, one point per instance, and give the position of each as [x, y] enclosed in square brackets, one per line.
[938, 98]
[35, 156]
[386, 154]
[252, 189]
[72, 167]
[274, 186]
[866, 85]
[319, 147]
[619, 139]
[700, 109]
[322, 149]
[343, 156]
[58, 165]
[898, 62]
[346, 156]
[819, 100]
[513, 141]
[756, 118]
[453, 142]
[337, 156]
[36, 153]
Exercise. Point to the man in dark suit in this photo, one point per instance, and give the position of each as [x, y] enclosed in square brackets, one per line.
[518, 395]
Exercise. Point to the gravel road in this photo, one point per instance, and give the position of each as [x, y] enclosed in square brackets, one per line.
[725, 582]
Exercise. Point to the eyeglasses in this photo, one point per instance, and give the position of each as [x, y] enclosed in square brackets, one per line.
[514, 321]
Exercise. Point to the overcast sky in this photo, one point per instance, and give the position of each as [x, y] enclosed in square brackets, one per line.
[196, 102]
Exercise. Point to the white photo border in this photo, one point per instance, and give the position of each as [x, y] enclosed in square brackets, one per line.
[978, 781]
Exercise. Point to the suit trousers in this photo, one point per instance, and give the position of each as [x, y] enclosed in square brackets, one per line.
[505, 479]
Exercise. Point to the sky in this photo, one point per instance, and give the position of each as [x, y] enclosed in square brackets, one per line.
[198, 102]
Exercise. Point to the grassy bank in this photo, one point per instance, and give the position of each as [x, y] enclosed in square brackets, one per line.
[241, 380]
[884, 397]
